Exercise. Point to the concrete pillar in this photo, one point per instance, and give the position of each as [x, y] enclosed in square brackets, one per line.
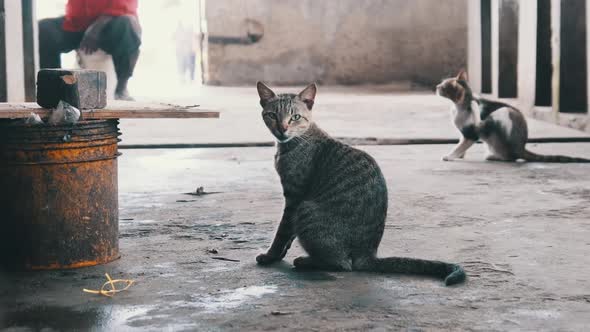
[18, 56]
[495, 9]
[474, 49]
[15, 76]
[526, 53]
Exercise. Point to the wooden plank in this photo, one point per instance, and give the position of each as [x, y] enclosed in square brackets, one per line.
[114, 110]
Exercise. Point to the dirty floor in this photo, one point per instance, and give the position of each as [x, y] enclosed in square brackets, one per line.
[522, 232]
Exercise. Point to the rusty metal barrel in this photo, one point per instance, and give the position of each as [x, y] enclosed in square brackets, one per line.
[58, 195]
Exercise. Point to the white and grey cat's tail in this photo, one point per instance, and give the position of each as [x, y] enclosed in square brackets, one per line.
[530, 156]
[450, 273]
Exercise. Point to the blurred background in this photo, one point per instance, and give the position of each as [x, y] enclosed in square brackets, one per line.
[530, 53]
[165, 27]
[292, 42]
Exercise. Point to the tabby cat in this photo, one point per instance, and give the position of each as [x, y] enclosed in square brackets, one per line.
[502, 127]
[335, 197]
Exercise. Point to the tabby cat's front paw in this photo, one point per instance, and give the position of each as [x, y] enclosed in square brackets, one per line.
[265, 259]
[448, 158]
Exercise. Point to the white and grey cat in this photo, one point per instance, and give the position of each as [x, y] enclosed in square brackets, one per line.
[500, 126]
[335, 197]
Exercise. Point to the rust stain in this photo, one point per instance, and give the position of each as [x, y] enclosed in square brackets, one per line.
[77, 265]
[59, 199]
[69, 79]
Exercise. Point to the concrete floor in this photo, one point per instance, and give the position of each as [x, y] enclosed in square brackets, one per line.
[521, 231]
[383, 111]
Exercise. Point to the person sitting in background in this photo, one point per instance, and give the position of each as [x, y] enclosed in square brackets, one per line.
[89, 25]
[186, 54]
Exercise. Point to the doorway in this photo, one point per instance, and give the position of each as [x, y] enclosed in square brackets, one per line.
[572, 70]
[544, 67]
[508, 49]
[486, 46]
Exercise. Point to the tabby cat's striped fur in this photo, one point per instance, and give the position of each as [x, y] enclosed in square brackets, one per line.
[336, 197]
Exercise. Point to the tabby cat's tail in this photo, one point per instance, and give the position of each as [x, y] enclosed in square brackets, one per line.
[451, 273]
[530, 156]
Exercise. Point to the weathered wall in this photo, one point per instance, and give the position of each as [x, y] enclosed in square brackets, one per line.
[342, 42]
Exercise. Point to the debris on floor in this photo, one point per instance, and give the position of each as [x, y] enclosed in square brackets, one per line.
[111, 282]
[34, 119]
[184, 107]
[225, 259]
[200, 191]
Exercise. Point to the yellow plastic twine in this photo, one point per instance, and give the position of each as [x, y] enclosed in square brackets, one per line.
[111, 292]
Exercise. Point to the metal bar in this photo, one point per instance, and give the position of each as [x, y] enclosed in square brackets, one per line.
[358, 141]
[29, 48]
[3, 78]
[508, 49]
[486, 46]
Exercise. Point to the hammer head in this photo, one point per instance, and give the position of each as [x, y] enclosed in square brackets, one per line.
[83, 89]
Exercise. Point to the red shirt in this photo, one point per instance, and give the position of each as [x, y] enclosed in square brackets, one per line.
[80, 14]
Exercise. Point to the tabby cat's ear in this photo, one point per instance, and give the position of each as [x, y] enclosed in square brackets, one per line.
[265, 93]
[308, 95]
[462, 75]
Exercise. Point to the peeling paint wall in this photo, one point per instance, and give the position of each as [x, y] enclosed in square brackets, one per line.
[338, 42]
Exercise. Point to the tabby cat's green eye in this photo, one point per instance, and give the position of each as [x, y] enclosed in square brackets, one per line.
[296, 117]
[271, 115]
